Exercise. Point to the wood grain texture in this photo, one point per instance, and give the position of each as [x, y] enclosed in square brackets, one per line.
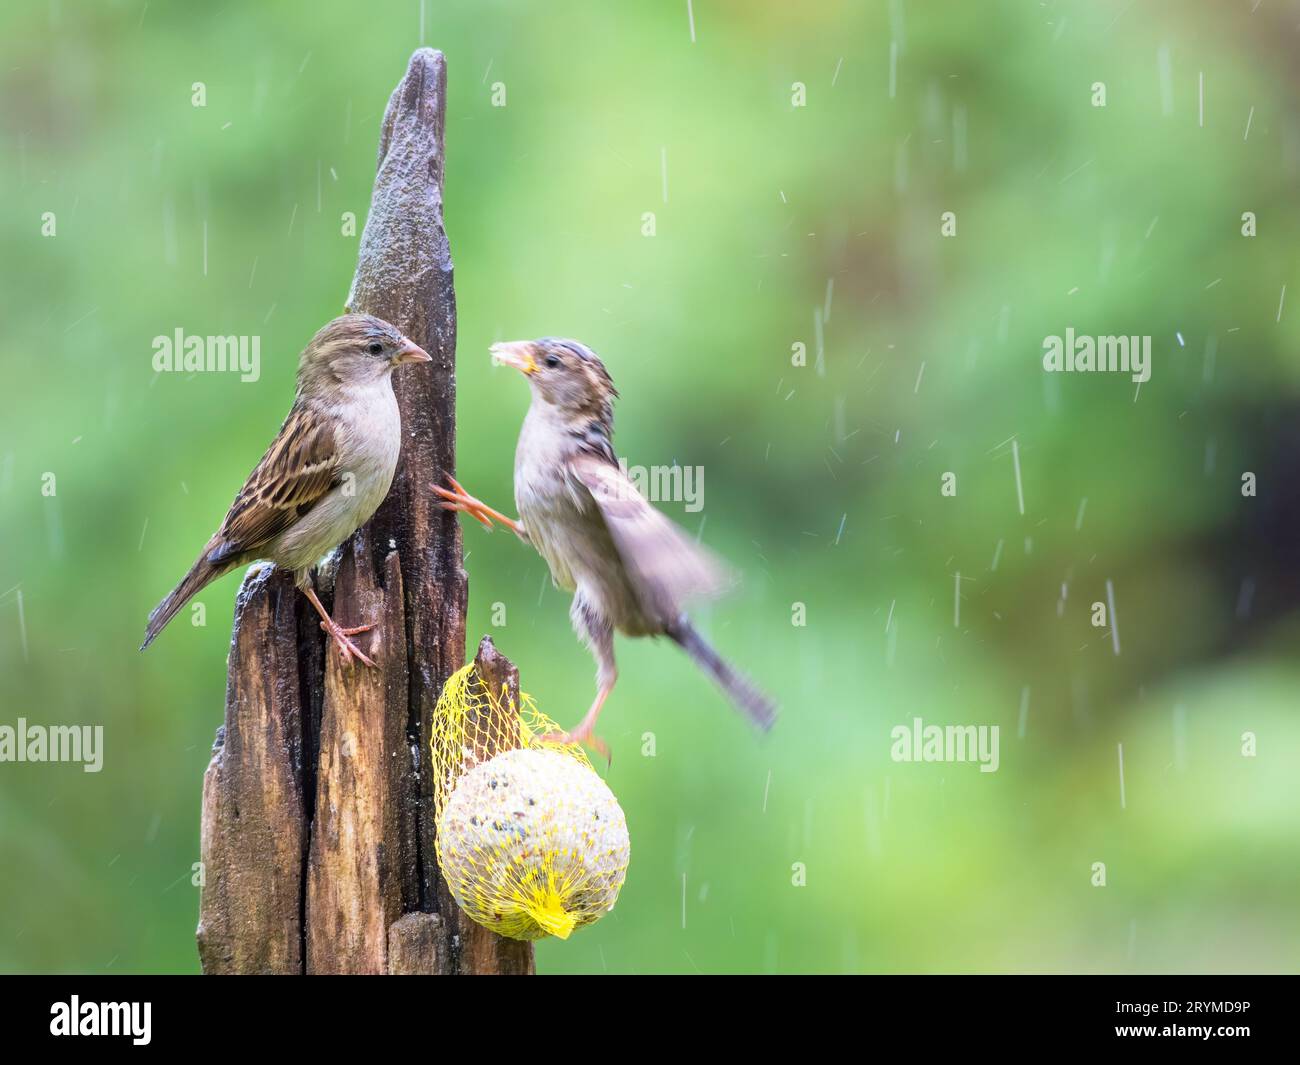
[415, 945]
[318, 833]
[253, 832]
[357, 854]
[404, 275]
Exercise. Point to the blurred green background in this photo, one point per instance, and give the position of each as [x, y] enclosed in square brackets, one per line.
[822, 483]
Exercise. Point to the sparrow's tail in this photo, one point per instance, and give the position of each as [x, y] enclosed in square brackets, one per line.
[201, 573]
[758, 707]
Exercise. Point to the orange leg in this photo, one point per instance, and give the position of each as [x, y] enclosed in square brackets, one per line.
[461, 500]
[340, 635]
[585, 732]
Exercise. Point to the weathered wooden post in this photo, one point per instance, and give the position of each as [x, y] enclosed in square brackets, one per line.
[317, 833]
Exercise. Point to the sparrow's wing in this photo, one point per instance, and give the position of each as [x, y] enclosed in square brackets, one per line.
[299, 467]
[667, 568]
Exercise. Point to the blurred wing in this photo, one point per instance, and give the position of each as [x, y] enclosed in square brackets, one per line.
[667, 568]
[301, 465]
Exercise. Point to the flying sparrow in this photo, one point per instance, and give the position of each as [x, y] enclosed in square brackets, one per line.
[324, 474]
[629, 567]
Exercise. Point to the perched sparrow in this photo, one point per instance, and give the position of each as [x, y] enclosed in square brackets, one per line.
[324, 474]
[628, 566]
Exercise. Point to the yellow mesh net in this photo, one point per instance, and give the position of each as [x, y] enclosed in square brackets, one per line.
[530, 840]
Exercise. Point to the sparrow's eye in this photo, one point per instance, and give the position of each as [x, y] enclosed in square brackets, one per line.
[375, 347]
[552, 360]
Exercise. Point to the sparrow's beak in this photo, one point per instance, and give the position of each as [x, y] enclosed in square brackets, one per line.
[517, 353]
[410, 351]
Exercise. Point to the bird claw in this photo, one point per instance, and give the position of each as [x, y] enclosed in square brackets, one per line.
[346, 647]
[463, 501]
[456, 498]
[581, 735]
[471, 511]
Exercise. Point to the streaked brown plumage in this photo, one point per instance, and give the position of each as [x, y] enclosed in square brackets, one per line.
[327, 470]
[629, 567]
